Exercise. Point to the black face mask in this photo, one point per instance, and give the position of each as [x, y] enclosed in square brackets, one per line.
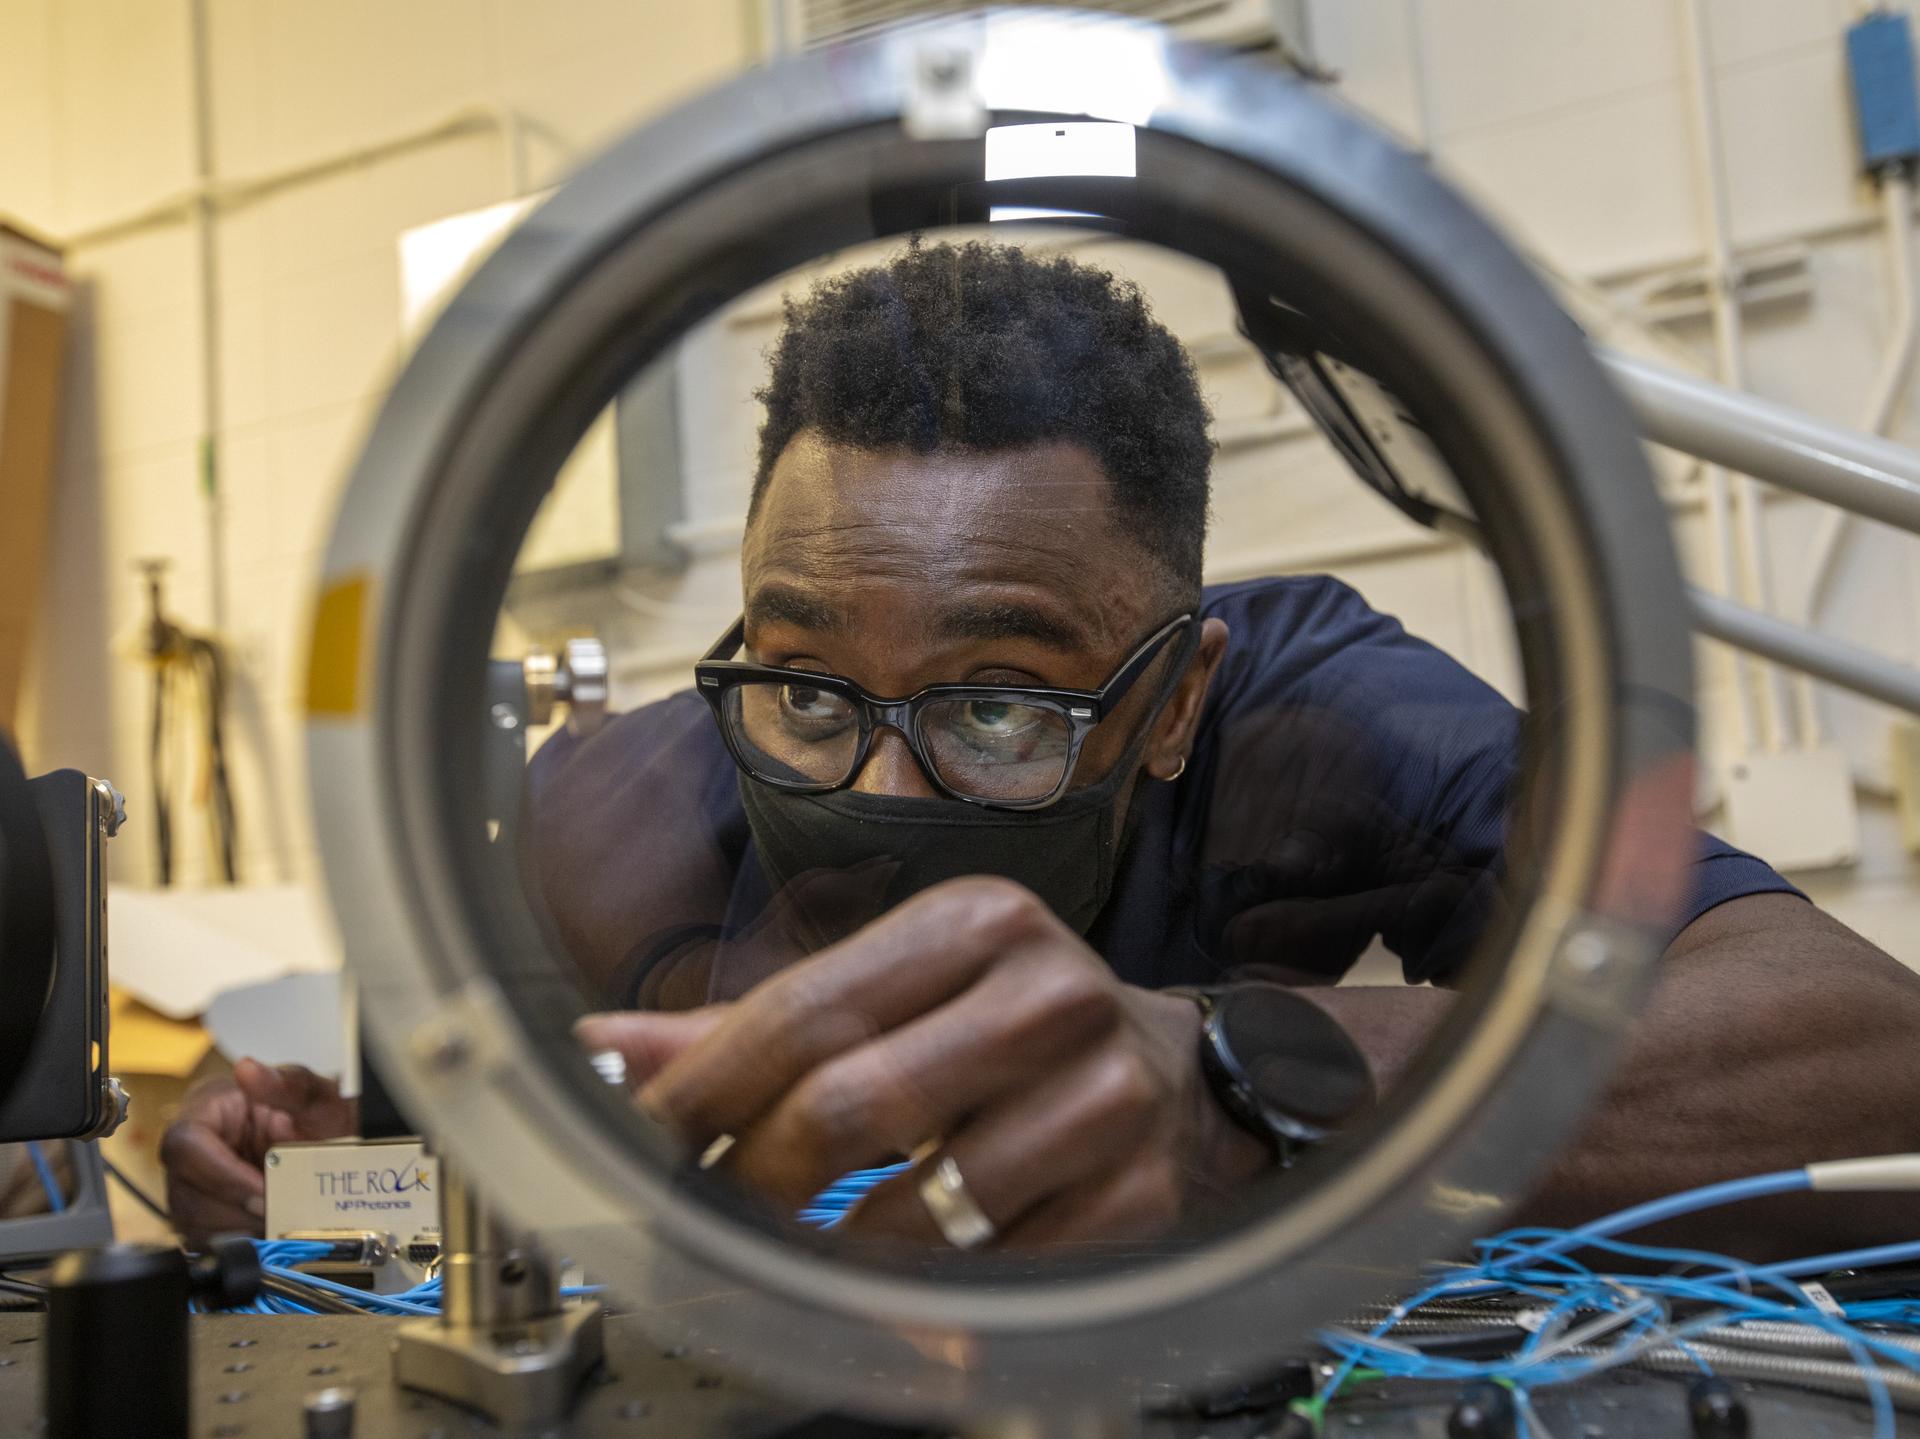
[1066, 853]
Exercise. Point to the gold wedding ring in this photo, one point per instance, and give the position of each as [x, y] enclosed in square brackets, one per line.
[953, 1208]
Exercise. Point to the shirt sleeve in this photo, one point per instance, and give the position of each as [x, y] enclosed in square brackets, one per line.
[633, 838]
[1722, 873]
[1363, 788]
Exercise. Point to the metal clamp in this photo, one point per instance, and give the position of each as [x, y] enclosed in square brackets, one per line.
[577, 679]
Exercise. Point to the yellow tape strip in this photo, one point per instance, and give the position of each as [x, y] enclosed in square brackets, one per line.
[334, 669]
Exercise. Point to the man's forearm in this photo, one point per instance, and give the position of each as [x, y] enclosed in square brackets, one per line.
[1774, 1037]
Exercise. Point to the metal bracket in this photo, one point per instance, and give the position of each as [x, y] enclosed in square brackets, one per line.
[942, 100]
[504, 1343]
[521, 1376]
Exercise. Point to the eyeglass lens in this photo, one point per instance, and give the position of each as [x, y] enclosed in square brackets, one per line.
[990, 749]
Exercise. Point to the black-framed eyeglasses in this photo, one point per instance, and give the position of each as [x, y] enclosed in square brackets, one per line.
[1006, 746]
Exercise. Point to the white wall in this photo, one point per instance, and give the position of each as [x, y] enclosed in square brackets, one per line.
[1569, 122]
[96, 124]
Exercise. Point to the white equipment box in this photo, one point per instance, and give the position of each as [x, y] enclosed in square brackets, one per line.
[377, 1201]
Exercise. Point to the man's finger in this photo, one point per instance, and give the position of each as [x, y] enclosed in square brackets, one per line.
[1076, 1129]
[909, 961]
[1132, 1205]
[289, 1087]
[925, 1078]
[198, 1159]
[648, 1041]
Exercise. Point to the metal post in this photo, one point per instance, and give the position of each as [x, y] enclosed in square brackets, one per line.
[1889, 386]
[1835, 661]
[1724, 280]
[1862, 473]
[504, 1344]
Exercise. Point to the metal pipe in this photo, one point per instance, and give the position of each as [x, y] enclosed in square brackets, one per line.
[490, 1278]
[228, 194]
[1821, 656]
[1721, 575]
[206, 245]
[1828, 1375]
[1863, 473]
[1723, 281]
[1896, 369]
[1784, 1338]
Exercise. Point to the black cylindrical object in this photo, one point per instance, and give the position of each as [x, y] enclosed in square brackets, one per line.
[116, 1344]
[1485, 1411]
[1716, 1411]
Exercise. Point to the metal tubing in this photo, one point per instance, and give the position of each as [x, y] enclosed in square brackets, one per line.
[1821, 656]
[1830, 1376]
[1757, 685]
[1785, 1338]
[1862, 473]
[207, 250]
[1896, 371]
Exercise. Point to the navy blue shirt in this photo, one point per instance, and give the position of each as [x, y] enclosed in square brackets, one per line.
[1347, 780]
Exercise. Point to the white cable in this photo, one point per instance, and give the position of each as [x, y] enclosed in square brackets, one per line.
[1882, 1172]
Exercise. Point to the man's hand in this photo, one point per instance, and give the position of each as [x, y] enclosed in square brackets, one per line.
[1073, 1104]
[214, 1151]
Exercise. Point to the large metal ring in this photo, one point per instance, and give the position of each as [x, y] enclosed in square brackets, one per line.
[1241, 167]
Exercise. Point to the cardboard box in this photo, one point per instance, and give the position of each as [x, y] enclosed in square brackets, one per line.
[34, 293]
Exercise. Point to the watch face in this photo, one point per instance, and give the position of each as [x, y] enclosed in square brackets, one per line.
[1297, 1062]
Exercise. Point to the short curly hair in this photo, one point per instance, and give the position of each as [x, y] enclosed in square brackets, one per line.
[981, 347]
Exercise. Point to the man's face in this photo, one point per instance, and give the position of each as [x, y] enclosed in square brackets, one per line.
[900, 570]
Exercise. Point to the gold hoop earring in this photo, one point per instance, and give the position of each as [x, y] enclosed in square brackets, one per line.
[1169, 779]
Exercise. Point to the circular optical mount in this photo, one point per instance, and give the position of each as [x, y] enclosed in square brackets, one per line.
[1240, 166]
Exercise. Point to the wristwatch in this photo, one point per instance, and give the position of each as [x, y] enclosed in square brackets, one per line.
[1279, 1064]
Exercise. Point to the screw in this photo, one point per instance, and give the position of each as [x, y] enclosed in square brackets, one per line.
[234, 1396]
[944, 69]
[441, 1046]
[329, 1414]
[238, 1368]
[243, 1343]
[273, 1159]
[635, 1409]
[1586, 952]
[503, 717]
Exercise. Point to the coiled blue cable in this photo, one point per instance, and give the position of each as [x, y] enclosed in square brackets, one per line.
[279, 1257]
[1537, 1263]
[832, 1204]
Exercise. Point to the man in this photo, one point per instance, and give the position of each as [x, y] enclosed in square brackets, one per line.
[928, 868]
